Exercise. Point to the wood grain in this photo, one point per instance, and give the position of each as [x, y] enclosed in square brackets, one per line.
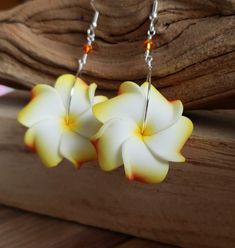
[9, 4]
[194, 207]
[194, 53]
[141, 243]
[23, 229]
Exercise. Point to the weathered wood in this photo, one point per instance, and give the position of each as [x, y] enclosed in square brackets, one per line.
[9, 4]
[194, 54]
[194, 207]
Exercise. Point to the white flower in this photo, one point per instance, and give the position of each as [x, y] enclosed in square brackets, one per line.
[51, 134]
[144, 153]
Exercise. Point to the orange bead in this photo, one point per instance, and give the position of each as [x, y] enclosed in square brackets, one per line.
[148, 44]
[87, 48]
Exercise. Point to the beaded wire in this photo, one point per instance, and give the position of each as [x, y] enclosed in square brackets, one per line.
[87, 48]
[148, 56]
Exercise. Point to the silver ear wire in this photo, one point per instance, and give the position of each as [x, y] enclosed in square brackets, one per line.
[149, 58]
[83, 60]
[95, 18]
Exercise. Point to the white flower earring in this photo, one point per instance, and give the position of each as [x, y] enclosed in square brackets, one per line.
[141, 129]
[59, 119]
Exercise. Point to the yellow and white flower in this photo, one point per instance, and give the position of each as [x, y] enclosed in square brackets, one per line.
[53, 134]
[144, 153]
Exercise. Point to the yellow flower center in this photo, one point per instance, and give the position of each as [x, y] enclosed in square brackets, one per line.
[69, 123]
[140, 132]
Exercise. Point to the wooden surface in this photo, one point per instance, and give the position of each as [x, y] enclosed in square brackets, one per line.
[194, 207]
[9, 4]
[20, 229]
[194, 53]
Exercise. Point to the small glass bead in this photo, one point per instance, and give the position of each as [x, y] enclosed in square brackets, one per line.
[87, 48]
[148, 44]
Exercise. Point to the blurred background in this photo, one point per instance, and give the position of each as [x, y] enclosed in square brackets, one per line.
[7, 4]
[4, 5]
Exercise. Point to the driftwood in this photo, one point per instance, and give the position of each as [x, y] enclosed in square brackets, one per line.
[193, 207]
[194, 53]
[9, 4]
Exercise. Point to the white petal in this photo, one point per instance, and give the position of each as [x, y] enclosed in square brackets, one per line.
[44, 137]
[161, 112]
[109, 140]
[168, 143]
[129, 87]
[98, 99]
[91, 92]
[45, 103]
[80, 101]
[76, 148]
[29, 139]
[140, 164]
[128, 104]
[88, 125]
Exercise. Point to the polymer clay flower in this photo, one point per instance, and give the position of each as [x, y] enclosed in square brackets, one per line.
[53, 134]
[144, 152]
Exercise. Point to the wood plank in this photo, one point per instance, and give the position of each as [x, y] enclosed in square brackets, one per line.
[32, 230]
[93, 238]
[6, 214]
[194, 207]
[141, 243]
[29, 230]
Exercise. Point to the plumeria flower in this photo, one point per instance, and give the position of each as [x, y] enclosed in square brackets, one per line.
[144, 152]
[53, 134]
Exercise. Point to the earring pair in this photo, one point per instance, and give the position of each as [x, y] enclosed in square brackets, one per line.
[138, 128]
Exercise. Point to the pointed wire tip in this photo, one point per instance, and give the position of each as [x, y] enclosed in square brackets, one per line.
[92, 3]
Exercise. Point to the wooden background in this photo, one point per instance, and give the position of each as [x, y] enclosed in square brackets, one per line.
[7, 4]
[20, 229]
[194, 61]
[193, 208]
[194, 53]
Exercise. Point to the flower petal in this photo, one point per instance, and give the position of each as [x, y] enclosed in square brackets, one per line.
[161, 112]
[129, 103]
[80, 101]
[91, 92]
[108, 142]
[44, 137]
[45, 103]
[140, 164]
[76, 148]
[98, 99]
[168, 143]
[29, 139]
[88, 125]
[129, 87]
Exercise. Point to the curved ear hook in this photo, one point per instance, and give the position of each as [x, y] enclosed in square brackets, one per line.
[82, 61]
[148, 56]
[92, 3]
[94, 22]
